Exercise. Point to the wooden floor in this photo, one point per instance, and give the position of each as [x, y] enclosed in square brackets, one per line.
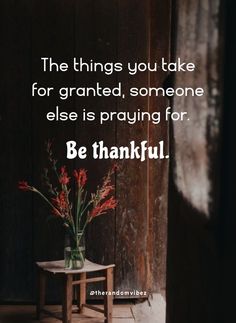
[26, 314]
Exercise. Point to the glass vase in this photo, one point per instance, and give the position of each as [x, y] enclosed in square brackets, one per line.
[74, 252]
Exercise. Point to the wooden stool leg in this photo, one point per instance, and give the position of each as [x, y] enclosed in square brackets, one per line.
[81, 293]
[41, 293]
[67, 299]
[108, 301]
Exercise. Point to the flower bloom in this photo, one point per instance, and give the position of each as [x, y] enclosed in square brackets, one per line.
[60, 203]
[64, 179]
[105, 191]
[101, 208]
[24, 186]
[81, 177]
[56, 212]
[115, 168]
[101, 201]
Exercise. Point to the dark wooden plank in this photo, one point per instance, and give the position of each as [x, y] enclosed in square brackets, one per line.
[41, 292]
[25, 313]
[193, 45]
[108, 301]
[158, 170]
[67, 299]
[81, 293]
[95, 38]
[103, 32]
[131, 219]
[16, 208]
[227, 222]
[52, 36]
[142, 187]
[193, 250]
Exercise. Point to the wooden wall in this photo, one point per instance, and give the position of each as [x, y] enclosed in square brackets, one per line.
[228, 171]
[195, 235]
[134, 237]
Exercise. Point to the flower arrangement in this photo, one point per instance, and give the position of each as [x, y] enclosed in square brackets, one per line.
[75, 217]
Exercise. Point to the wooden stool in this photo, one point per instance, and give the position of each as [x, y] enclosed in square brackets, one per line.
[70, 279]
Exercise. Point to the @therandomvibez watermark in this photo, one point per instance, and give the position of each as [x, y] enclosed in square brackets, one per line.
[132, 293]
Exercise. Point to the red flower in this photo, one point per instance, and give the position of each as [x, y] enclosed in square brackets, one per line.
[102, 208]
[61, 204]
[60, 200]
[64, 179]
[105, 191]
[56, 212]
[24, 186]
[81, 177]
[115, 168]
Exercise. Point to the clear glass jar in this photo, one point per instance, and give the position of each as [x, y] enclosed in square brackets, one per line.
[74, 252]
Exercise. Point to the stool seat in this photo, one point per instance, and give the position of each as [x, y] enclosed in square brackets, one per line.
[75, 278]
[58, 267]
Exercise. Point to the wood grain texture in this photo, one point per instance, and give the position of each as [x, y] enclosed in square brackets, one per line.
[193, 267]
[108, 299]
[95, 39]
[158, 171]
[227, 223]
[52, 36]
[41, 293]
[9, 314]
[67, 299]
[141, 221]
[16, 237]
[196, 140]
[131, 220]
[81, 293]
[134, 235]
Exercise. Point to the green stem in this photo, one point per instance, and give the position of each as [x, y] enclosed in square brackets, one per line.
[82, 232]
[77, 222]
[64, 188]
[68, 226]
[85, 208]
[81, 207]
[81, 255]
[44, 197]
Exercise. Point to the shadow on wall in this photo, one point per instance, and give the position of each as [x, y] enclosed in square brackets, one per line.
[201, 262]
[192, 266]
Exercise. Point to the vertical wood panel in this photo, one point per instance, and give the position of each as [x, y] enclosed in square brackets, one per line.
[142, 186]
[158, 170]
[199, 43]
[52, 36]
[131, 220]
[115, 31]
[193, 250]
[15, 161]
[95, 38]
